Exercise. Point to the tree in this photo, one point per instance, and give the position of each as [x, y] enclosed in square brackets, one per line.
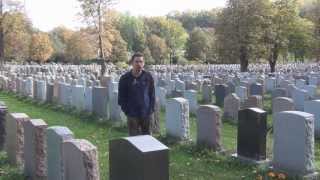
[198, 45]
[17, 35]
[94, 12]
[133, 31]
[240, 30]
[78, 47]
[158, 48]
[40, 47]
[59, 37]
[285, 15]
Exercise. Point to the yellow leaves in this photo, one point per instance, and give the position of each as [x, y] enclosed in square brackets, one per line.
[40, 47]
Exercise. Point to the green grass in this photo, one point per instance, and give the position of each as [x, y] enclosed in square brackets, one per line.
[187, 161]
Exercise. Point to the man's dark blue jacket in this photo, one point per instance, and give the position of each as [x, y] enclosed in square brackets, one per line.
[137, 94]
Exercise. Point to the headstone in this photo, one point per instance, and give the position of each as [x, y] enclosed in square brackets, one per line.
[221, 91]
[279, 92]
[293, 143]
[242, 93]
[161, 93]
[177, 118]
[313, 107]
[282, 104]
[231, 107]
[207, 93]
[50, 88]
[253, 102]
[256, 89]
[80, 160]
[209, 126]
[14, 139]
[35, 144]
[300, 83]
[56, 135]
[78, 97]
[88, 99]
[155, 121]
[99, 101]
[3, 113]
[270, 84]
[299, 96]
[138, 158]
[116, 114]
[252, 125]
[191, 96]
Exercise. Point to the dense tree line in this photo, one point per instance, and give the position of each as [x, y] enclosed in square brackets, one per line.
[245, 31]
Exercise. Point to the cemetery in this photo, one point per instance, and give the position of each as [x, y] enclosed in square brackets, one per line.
[160, 90]
[67, 124]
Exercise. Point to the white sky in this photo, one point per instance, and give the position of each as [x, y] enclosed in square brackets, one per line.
[47, 14]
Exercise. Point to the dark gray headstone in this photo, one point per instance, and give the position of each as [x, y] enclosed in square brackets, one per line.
[256, 89]
[3, 113]
[221, 91]
[99, 101]
[138, 158]
[50, 87]
[252, 134]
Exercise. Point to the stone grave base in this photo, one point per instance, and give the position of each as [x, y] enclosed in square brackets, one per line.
[261, 163]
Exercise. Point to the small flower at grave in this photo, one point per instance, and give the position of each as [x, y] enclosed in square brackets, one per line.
[271, 174]
[282, 176]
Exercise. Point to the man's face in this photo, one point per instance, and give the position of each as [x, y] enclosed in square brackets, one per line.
[138, 63]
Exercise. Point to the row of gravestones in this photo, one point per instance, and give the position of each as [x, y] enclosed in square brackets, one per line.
[293, 134]
[102, 100]
[52, 153]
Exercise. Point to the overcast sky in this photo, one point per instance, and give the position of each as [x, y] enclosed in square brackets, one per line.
[47, 14]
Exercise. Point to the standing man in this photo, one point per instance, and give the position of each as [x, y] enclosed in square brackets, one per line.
[137, 97]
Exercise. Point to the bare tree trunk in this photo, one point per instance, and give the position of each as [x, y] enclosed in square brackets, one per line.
[274, 57]
[244, 62]
[1, 35]
[101, 53]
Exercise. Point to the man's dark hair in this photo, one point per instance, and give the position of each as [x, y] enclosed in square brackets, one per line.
[137, 54]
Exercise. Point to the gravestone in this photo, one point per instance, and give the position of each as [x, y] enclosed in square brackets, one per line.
[279, 92]
[78, 97]
[35, 144]
[300, 83]
[80, 159]
[14, 139]
[155, 121]
[3, 113]
[88, 99]
[49, 97]
[253, 102]
[293, 144]
[252, 124]
[56, 135]
[231, 107]
[138, 158]
[99, 101]
[191, 96]
[256, 89]
[270, 84]
[313, 107]
[299, 96]
[207, 93]
[221, 91]
[209, 126]
[177, 118]
[242, 93]
[116, 114]
[282, 104]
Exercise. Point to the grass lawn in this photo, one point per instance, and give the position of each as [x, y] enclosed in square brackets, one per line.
[187, 161]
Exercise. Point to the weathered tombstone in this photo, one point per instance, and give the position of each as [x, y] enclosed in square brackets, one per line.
[161, 93]
[279, 92]
[252, 124]
[313, 107]
[180, 85]
[299, 96]
[3, 113]
[88, 99]
[293, 144]
[49, 94]
[191, 96]
[207, 93]
[35, 154]
[231, 87]
[99, 101]
[282, 104]
[209, 126]
[56, 135]
[177, 118]
[78, 97]
[80, 159]
[138, 158]
[256, 89]
[231, 107]
[176, 94]
[14, 139]
[253, 102]
[221, 91]
[116, 114]
[155, 121]
[300, 83]
[270, 84]
[311, 90]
